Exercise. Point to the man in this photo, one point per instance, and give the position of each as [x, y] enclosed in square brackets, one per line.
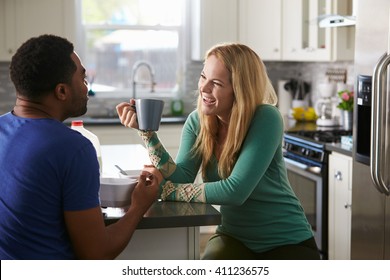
[49, 173]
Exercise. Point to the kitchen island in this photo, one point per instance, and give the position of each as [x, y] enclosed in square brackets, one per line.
[168, 230]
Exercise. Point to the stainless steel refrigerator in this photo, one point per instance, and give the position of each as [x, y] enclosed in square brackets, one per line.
[370, 237]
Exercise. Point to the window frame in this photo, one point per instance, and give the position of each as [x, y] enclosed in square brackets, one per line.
[182, 53]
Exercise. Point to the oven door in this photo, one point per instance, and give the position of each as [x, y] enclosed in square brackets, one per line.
[307, 183]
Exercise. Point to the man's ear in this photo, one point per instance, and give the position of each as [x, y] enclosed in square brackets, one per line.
[61, 91]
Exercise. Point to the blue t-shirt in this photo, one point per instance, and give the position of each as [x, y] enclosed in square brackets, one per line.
[46, 168]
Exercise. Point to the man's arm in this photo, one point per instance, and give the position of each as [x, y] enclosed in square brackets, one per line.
[91, 239]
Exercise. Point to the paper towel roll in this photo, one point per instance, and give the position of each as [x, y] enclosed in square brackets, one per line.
[285, 98]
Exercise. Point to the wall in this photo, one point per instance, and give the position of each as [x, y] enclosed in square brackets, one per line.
[313, 72]
[7, 91]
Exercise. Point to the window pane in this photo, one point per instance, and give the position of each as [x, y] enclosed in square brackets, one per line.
[121, 33]
[112, 54]
[133, 12]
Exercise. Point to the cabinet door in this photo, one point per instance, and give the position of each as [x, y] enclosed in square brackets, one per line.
[304, 40]
[340, 198]
[24, 19]
[212, 22]
[7, 26]
[260, 27]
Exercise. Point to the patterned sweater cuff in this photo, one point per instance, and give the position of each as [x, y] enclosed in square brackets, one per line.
[183, 192]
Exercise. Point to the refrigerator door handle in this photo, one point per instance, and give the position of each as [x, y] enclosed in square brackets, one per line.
[378, 124]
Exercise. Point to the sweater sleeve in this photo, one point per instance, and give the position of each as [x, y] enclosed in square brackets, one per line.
[263, 139]
[185, 168]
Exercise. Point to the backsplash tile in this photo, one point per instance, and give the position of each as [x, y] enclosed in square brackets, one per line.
[312, 72]
[7, 90]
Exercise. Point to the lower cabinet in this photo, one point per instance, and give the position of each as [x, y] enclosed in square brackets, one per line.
[178, 243]
[340, 199]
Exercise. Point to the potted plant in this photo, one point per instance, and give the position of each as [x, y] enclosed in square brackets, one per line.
[346, 106]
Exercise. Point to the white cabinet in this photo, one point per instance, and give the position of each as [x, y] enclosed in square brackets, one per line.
[260, 24]
[288, 30]
[23, 19]
[340, 199]
[303, 40]
[212, 22]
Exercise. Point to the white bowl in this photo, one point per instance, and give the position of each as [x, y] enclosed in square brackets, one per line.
[116, 192]
[131, 174]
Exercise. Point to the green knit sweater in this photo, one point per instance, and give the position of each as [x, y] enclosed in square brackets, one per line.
[258, 206]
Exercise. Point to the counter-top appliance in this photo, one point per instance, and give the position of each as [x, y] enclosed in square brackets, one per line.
[370, 237]
[326, 105]
[307, 167]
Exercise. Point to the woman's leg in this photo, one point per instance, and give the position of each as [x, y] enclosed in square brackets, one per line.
[306, 250]
[223, 247]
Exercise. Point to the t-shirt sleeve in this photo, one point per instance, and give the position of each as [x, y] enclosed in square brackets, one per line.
[82, 183]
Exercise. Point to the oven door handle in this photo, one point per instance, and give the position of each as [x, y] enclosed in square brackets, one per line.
[301, 167]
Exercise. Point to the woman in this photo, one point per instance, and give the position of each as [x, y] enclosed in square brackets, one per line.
[235, 139]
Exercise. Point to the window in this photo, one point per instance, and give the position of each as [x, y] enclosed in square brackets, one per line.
[121, 33]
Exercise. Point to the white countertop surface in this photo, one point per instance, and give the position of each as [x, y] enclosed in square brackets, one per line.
[128, 157]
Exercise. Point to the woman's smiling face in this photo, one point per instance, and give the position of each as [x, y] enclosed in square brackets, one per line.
[216, 89]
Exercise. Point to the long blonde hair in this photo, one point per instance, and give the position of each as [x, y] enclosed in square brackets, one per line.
[251, 87]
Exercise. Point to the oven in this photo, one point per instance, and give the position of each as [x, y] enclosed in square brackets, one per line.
[306, 160]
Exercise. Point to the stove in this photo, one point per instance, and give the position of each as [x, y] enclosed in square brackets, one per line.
[324, 136]
[306, 161]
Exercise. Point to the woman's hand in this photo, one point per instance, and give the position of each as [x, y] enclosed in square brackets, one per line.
[127, 114]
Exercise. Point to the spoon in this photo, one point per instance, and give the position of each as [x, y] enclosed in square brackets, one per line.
[121, 170]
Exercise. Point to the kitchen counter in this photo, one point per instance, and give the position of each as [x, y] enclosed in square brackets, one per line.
[168, 214]
[116, 121]
[340, 148]
[168, 230]
[161, 214]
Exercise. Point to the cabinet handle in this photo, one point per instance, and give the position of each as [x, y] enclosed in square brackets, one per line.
[346, 206]
[310, 49]
[338, 175]
[276, 50]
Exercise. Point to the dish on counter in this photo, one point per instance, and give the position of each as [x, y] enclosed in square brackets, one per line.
[116, 192]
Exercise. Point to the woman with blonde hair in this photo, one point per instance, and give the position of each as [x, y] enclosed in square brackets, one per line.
[234, 138]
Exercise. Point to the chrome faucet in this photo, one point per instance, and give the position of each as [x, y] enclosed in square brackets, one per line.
[136, 67]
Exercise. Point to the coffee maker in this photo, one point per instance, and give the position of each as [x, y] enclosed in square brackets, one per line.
[326, 106]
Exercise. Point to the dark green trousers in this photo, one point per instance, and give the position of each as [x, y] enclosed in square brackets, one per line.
[223, 247]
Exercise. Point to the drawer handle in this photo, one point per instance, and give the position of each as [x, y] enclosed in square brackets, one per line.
[338, 175]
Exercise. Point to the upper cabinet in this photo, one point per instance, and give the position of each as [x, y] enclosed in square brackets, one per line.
[288, 30]
[303, 40]
[23, 19]
[212, 22]
[260, 25]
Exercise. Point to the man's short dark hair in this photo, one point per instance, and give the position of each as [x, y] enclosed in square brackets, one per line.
[40, 64]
